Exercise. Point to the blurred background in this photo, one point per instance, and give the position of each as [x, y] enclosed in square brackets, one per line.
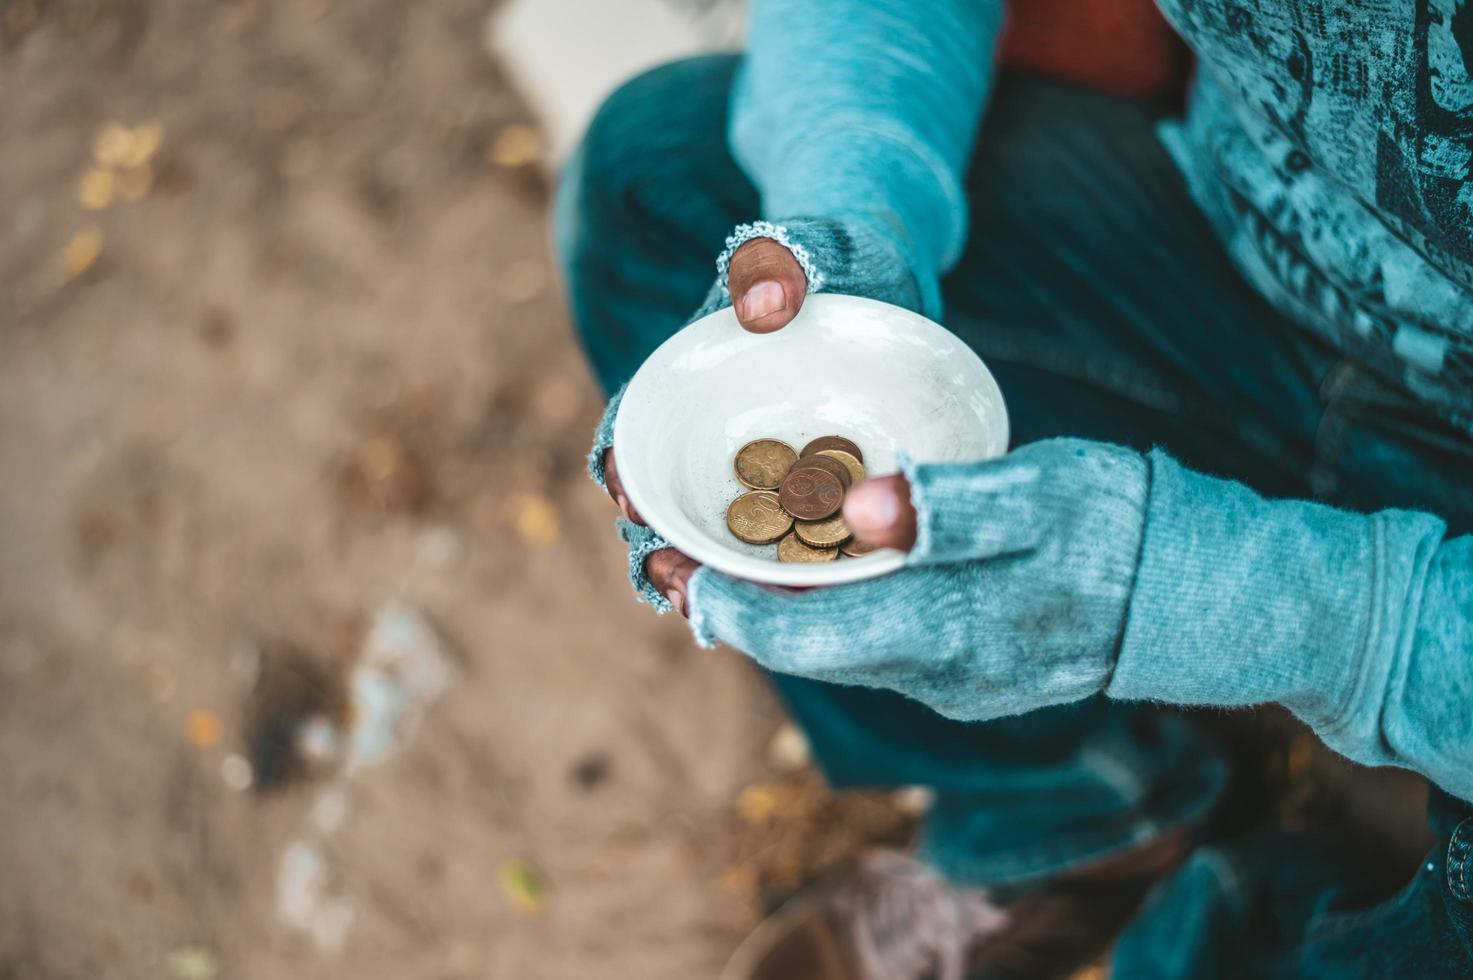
[316, 653]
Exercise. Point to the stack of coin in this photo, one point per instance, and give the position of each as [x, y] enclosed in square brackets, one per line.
[794, 498]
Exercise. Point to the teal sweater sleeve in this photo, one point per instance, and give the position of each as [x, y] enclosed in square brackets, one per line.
[866, 113]
[1362, 625]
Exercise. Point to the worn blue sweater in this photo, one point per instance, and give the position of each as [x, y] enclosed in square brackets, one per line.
[1328, 144]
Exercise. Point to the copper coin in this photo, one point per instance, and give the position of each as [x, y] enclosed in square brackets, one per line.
[762, 463]
[850, 461]
[810, 493]
[834, 465]
[832, 442]
[790, 549]
[828, 533]
[757, 518]
[856, 548]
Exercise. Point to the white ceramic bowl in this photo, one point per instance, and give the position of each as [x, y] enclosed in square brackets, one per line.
[887, 378]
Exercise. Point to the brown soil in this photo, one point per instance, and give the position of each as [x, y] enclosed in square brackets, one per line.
[322, 363]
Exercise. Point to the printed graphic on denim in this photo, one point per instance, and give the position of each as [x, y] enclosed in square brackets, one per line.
[1331, 144]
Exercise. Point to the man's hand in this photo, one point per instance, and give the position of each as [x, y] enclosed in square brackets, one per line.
[767, 284]
[1013, 596]
[767, 288]
[668, 570]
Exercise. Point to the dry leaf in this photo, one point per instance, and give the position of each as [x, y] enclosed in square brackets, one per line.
[193, 963]
[82, 252]
[515, 145]
[536, 520]
[381, 457]
[111, 144]
[522, 886]
[144, 142]
[96, 188]
[760, 802]
[204, 728]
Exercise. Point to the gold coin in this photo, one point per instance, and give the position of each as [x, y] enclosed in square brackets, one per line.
[757, 518]
[762, 463]
[811, 494]
[856, 548]
[828, 533]
[790, 549]
[832, 442]
[855, 467]
[832, 465]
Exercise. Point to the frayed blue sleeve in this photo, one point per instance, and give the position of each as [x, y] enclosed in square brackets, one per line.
[866, 112]
[643, 542]
[1361, 625]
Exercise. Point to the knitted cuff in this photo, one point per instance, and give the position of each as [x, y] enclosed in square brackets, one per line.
[1008, 505]
[603, 438]
[643, 542]
[852, 257]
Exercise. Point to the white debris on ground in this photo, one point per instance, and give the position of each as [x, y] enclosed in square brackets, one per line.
[303, 901]
[789, 749]
[402, 668]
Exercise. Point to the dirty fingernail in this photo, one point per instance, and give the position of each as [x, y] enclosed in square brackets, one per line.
[871, 507]
[677, 600]
[762, 299]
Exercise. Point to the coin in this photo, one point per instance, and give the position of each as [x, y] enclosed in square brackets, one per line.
[832, 442]
[790, 549]
[833, 464]
[856, 548]
[822, 534]
[851, 462]
[810, 493]
[762, 463]
[757, 518]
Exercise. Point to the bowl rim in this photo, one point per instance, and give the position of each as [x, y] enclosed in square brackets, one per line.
[766, 571]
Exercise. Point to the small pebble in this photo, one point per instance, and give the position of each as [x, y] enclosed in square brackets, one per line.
[591, 770]
[237, 772]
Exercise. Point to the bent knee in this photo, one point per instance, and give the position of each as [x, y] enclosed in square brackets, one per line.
[658, 120]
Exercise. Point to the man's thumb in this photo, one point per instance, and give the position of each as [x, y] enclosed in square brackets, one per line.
[767, 285]
[879, 512]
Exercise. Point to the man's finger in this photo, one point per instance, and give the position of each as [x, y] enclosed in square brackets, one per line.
[670, 571]
[767, 285]
[615, 486]
[880, 513]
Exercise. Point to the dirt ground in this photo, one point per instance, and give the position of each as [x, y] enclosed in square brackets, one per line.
[308, 357]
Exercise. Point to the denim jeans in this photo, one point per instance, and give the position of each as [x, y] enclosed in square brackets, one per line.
[1106, 309]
